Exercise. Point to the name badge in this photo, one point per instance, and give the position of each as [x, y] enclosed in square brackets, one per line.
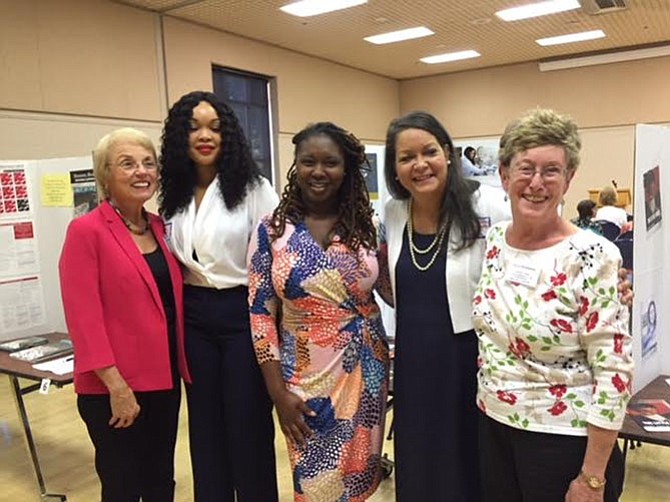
[525, 274]
[484, 224]
[168, 231]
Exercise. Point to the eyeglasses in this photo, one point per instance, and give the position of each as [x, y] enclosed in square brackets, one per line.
[131, 164]
[551, 173]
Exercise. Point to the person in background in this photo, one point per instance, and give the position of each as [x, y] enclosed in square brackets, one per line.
[122, 296]
[609, 212]
[554, 347]
[587, 210]
[435, 227]
[468, 165]
[212, 196]
[316, 327]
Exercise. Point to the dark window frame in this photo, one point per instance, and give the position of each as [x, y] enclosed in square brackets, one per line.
[251, 98]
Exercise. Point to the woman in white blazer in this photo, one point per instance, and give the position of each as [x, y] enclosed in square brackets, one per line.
[435, 227]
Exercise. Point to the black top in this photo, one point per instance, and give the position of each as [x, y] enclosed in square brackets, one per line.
[159, 269]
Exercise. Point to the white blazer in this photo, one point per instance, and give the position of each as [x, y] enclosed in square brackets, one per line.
[463, 267]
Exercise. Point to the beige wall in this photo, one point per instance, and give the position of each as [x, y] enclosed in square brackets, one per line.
[88, 57]
[606, 101]
[75, 69]
[307, 89]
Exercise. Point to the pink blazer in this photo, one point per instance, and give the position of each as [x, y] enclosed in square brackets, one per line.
[113, 309]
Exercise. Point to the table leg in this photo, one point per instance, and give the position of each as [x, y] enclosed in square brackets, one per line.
[21, 408]
[625, 450]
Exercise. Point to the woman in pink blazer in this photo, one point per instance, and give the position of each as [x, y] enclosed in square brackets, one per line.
[122, 295]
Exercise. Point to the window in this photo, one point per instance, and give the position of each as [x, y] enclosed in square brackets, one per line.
[248, 95]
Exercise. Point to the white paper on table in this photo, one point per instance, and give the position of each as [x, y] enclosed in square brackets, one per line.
[59, 366]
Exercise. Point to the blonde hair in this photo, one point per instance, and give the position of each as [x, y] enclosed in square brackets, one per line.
[607, 196]
[540, 127]
[106, 143]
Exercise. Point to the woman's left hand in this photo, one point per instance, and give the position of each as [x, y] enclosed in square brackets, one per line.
[624, 287]
[580, 492]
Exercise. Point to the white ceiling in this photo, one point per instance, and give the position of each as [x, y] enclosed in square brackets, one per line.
[458, 25]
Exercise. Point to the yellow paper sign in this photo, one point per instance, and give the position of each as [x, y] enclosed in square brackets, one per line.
[56, 190]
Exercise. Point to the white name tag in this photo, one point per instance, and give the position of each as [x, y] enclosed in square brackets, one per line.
[525, 273]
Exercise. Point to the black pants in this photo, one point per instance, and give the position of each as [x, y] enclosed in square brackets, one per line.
[230, 414]
[138, 461]
[518, 465]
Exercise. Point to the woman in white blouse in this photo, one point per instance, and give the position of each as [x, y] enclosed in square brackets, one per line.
[554, 347]
[212, 197]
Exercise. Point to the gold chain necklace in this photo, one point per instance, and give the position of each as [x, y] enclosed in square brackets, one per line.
[437, 240]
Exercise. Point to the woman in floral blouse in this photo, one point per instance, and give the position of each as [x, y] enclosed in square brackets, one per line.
[555, 352]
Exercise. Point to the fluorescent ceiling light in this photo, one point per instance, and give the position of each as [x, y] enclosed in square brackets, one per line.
[306, 8]
[537, 9]
[573, 37]
[612, 57]
[450, 56]
[400, 35]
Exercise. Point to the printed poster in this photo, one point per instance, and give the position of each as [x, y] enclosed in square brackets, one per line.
[14, 192]
[21, 304]
[56, 190]
[84, 192]
[651, 181]
[653, 415]
[19, 253]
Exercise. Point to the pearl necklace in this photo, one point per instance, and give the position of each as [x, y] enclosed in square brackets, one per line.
[437, 240]
[132, 228]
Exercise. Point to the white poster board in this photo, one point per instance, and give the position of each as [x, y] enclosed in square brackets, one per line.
[651, 249]
[378, 196]
[31, 237]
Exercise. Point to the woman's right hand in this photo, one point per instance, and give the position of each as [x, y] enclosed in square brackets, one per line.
[124, 408]
[291, 410]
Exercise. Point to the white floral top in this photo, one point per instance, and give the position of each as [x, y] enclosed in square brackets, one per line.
[554, 347]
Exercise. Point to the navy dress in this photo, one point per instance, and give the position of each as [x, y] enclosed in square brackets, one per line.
[436, 447]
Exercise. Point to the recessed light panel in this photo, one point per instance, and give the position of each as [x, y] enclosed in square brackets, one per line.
[537, 9]
[400, 35]
[306, 8]
[450, 56]
[573, 37]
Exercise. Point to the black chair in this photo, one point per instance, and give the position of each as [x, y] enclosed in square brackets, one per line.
[610, 230]
[627, 235]
[626, 249]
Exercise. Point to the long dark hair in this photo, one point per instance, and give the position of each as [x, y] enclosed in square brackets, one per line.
[456, 209]
[354, 221]
[236, 170]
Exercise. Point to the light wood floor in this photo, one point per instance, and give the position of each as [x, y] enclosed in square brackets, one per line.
[67, 456]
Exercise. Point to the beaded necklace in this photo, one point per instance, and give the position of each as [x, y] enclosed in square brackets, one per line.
[132, 228]
[413, 248]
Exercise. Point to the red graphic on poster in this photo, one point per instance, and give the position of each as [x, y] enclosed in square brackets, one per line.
[23, 230]
[13, 191]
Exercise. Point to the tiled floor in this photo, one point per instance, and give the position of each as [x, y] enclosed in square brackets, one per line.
[67, 457]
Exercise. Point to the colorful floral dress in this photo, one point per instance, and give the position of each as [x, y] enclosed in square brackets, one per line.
[555, 351]
[333, 353]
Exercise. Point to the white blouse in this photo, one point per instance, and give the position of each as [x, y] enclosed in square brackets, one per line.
[219, 236]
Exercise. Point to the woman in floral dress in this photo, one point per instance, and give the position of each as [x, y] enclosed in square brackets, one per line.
[554, 346]
[316, 328]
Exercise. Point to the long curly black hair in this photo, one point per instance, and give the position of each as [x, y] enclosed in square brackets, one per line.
[236, 170]
[354, 222]
[456, 210]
